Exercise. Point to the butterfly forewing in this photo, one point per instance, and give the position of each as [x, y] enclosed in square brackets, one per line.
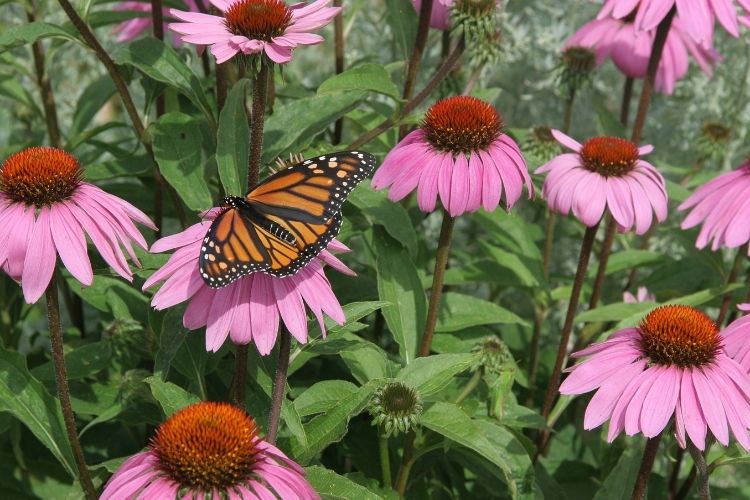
[283, 222]
[313, 190]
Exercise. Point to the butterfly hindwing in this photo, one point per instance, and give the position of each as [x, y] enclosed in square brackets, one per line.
[313, 190]
[283, 222]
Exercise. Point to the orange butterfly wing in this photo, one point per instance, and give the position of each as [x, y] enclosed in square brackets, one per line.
[283, 222]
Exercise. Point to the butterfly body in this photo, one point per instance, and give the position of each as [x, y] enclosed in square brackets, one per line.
[283, 222]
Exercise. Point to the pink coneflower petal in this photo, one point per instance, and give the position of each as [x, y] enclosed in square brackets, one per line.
[606, 173]
[39, 263]
[71, 243]
[271, 28]
[458, 155]
[672, 365]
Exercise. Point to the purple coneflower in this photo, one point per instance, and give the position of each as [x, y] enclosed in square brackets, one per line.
[460, 154]
[722, 205]
[605, 173]
[46, 210]
[255, 26]
[209, 450]
[250, 308]
[697, 15]
[674, 364]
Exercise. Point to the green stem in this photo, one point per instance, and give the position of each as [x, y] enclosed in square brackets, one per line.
[604, 253]
[575, 296]
[470, 386]
[423, 28]
[279, 386]
[443, 71]
[385, 460]
[647, 463]
[441, 264]
[704, 491]
[63, 391]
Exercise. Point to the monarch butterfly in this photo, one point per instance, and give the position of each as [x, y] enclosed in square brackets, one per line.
[284, 221]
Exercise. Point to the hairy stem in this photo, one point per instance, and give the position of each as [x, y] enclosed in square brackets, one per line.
[412, 70]
[436, 293]
[675, 475]
[338, 35]
[279, 386]
[443, 71]
[606, 250]
[575, 296]
[644, 472]
[704, 491]
[653, 65]
[63, 391]
[260, 89]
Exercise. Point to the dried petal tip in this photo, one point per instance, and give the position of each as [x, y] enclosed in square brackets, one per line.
[462, 124]
[609, 156]
[258, 19]
[207, 446]
[396, 407]
[679, 335]
[40, 176]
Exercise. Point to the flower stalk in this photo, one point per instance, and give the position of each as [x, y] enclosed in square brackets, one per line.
[423, 28]
[63, 391]
[704, 491]
[385, 459]
[279, 386]
[647, 463]
[604, 253]
[575, 296]
[726, 299]
[436, 293]
[338, 36]
[442, 72]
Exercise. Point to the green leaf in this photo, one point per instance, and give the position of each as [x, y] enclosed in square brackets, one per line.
[177, 147]
[513, 263]
[368, 76]
[331, 486]
[392, 216]
[112, 295]
[81, 362]
[292, 126]
[488, 439]
[129, 166]
[26, 399]
[93, 97]
[621, 479]
[608, 123]
[171, 397]
[232, 148]
[459, 311]
[614, 312]
[160, 62]
[399, 284]
[628, 259]
[322, 396]
[430, 374]
[31, 32]
[402, 19]
[331, 426]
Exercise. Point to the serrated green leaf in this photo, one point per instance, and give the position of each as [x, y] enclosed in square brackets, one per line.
[430, 374]
[81, 362]
[159, 61]
[26, 399]
[232, 148]
[392, 216]
[322, 396]
[459, 311]
[614, 312]
[331, 426]
[293, 126]
[31, 32]
[170, 396]
[399, 284]
[488, 439]
[177, 147]
[332, 486]
[368, 76]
